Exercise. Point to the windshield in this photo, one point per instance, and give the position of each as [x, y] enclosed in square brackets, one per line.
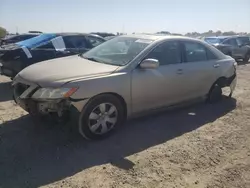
[118, 51]
[214, 40]
[36, 41]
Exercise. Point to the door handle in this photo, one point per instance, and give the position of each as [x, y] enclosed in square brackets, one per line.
[216, 65]
[179, 71]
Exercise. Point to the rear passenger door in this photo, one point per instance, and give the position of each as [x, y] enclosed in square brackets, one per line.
[201, 68]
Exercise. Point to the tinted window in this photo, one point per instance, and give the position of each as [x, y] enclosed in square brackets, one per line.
[167, 53]
[231, 42]
[46, 46]
[243, 40]
[194, 52]
[75, 41]
[94, 41]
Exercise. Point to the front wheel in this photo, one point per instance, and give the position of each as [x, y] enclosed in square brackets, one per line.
[101, 116]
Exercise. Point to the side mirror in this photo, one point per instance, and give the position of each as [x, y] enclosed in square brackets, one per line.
[149, 64]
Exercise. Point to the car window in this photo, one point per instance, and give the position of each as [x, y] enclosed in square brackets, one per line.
[243, 40]
[211, 55]
[75, 41]
[194, 52]
[166, 53]
[24, 37]
[214, 40]
[231, 42]
[118, 51]
[94, 41]
[48, 46]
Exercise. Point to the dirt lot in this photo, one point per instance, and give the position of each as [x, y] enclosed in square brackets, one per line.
[199, 146]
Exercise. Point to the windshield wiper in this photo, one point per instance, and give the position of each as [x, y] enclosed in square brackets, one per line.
[90, 58]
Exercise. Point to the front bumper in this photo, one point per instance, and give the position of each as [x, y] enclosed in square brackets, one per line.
[22, 94]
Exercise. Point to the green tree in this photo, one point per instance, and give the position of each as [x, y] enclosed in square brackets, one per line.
[3, 32]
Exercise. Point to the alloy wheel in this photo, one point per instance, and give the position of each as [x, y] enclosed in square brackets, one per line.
[102, 118]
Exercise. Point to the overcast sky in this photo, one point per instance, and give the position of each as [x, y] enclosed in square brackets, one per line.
[129, 16]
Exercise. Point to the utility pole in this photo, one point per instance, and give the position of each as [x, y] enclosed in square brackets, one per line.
[16, 30]
[122, 28]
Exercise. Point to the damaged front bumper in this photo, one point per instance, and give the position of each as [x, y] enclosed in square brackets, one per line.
[22, 94]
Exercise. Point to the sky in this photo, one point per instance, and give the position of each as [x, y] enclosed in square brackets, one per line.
[177, 16]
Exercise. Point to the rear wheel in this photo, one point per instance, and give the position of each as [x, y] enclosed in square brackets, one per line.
[247, 57]
[102, 115]
[215, 94]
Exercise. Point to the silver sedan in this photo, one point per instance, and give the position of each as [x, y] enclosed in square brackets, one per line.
[123, 77]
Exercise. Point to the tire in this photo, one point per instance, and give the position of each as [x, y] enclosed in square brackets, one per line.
[101, 116]
[246, 58]
[215, 94]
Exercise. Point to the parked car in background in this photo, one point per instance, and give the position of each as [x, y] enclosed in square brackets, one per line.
[17, 38]
[103, 34]
[106, 85]
[17, 56]
[237, 47]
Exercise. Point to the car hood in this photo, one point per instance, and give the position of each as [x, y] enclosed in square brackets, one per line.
[62, 70]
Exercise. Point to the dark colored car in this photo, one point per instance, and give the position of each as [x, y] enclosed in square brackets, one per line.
[103, 34]
[237, 47]
[17, 56]
[17, 38]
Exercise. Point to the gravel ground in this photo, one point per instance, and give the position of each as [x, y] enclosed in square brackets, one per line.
[201, 146]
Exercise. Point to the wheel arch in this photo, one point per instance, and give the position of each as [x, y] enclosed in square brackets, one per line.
[222, 82]
[124, 104]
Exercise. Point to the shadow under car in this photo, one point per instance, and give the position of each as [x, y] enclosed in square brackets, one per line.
[33, 155]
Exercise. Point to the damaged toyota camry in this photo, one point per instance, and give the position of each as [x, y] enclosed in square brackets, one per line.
[123, 77]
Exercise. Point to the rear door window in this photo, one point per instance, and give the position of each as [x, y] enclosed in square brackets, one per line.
[195, 52]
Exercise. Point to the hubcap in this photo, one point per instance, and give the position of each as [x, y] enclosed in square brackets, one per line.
[103, 118]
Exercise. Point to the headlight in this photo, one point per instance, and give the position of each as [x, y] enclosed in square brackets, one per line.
[52, 93]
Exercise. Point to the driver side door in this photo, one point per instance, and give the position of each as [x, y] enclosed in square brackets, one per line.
[155, 88]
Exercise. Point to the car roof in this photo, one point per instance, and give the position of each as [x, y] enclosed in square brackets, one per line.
[227, 37]
[67, 34]
[156, 37]
[219, 37]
